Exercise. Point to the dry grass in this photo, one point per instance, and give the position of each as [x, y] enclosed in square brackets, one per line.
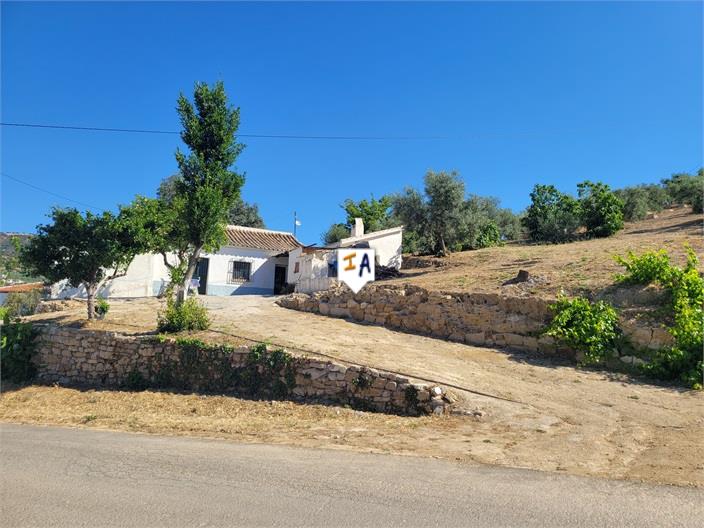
[577, 268]
[464, 439]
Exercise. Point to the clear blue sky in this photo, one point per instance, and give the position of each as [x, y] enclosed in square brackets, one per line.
[525, 93]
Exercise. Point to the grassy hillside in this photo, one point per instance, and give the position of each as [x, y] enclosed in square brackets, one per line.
[577, 268]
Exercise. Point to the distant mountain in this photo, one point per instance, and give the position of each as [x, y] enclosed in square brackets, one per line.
[10, 270]
[6, 245]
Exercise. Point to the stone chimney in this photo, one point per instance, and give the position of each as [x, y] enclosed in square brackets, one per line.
[358, 228]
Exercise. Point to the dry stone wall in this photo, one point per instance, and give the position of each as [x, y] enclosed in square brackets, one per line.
[483, 319]
[73, 356]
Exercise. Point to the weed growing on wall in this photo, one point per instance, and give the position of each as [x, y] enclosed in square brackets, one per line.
[591, 328]
[682, 361]
[208, 367]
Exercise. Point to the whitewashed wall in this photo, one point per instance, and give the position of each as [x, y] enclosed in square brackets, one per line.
[313, 271]
[387, 246]
[261, 275]
[146, 277]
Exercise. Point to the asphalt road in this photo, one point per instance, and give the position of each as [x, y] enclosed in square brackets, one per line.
[71, 477]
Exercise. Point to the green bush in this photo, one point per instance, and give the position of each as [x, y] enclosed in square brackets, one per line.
[102, 307]
[649, 267]
[187, 315]
[488, 236]
[591, 328]
[552, 216]
[682, 361]
[17, 351]
[600, 209]
[19, 304]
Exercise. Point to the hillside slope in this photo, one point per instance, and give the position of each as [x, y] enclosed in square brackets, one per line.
[582, 267]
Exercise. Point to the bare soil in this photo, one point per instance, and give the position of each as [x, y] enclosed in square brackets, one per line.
[558, 417]
[582, 267]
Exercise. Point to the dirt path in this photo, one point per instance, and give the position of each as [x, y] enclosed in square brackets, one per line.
[567, 419]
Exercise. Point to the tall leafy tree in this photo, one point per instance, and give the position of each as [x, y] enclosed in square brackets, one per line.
[241, 213]
[245, 214]
[639, 200]
[208, 185]
[432, 220]
[552, 216]
[88, 250]
[374, 213]
[335, 233]
[410, 209]
[601, 210]
[155, 225]
[685, 188]
[445, 192]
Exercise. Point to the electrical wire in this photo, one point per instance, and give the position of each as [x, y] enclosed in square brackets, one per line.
[47, 191]
[264, 136]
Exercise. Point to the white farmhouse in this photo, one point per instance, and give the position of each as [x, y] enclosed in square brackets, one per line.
[313, 269]
[253, 261]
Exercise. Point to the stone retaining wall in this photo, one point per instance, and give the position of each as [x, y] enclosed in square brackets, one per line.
[483, 319]
[74, 356]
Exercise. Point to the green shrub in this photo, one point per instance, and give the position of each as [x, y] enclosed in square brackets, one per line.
[600, 209]
[102, 307]
[17, 351]
[682, 361]
[488, 236]
[552, 216]
[19, 304]
[187, 315]
[649, 267]
[591, 328]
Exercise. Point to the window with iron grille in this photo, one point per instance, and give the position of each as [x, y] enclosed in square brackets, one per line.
[239, 272]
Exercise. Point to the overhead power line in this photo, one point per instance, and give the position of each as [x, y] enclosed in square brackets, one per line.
[266, 136]
[47, 191]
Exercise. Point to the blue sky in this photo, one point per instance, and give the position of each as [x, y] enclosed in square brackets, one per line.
[522, 93]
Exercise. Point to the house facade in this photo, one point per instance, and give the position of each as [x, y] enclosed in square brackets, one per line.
[314, 269]
[252, 261]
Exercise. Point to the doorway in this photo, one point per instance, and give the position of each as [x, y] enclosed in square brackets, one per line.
[201, 274]
[279, 279]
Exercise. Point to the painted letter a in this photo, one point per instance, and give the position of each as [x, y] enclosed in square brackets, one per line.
[365, 264]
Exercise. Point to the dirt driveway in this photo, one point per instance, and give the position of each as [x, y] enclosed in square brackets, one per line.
[563, 419]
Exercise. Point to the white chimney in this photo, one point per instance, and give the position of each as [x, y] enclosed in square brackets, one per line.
[358, 228]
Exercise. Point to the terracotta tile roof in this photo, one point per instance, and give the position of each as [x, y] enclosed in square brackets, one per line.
[251, 237]
[21, 288]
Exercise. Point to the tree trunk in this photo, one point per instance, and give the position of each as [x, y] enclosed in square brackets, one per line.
[91, 290]
[443, 246]
[192, 263]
